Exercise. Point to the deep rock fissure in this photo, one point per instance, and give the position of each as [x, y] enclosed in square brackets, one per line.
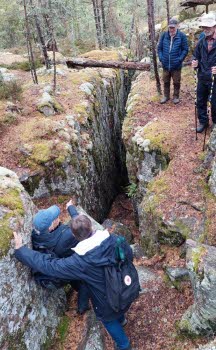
[96, 172]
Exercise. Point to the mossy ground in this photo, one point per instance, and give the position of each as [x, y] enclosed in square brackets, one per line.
[10, 199]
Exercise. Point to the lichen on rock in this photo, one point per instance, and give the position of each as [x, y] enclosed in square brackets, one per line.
[200, 318]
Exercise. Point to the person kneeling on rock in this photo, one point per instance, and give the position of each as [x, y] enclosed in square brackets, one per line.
[93, 253]
[50, 236]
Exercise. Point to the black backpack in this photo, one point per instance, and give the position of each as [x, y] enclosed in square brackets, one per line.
[122, 281]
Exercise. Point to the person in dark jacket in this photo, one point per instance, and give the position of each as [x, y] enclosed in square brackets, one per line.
[172, 50]
[205, 61]
[94, 251]
[50, 236]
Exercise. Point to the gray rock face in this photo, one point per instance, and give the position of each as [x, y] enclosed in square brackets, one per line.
[200, 318]
[6, 75]
[138, 251]
[29, 315]
[177, 274]
[209, 346]
[145, 276]
[119, 229]
[94, 338]
[212, 154]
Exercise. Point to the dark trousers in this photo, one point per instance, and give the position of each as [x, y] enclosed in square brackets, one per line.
[115, 329]
[203, 94]
[83, 295]
[176, 77]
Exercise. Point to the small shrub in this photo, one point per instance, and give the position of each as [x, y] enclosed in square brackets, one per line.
[9, 119]
[131, 190]
[25, 66]
[10, 90]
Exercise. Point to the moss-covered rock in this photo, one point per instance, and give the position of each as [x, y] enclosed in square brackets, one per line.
[200, 318]
[30, 314]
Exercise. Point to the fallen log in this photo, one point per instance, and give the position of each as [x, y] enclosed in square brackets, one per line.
[82, 62]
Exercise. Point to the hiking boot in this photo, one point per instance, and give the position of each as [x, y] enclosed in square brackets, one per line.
[164, 100]
[176, 100]
[202, 127]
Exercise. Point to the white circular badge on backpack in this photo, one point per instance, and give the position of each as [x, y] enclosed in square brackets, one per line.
[127, 280]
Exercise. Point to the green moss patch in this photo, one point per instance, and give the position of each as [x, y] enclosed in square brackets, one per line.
[160, 137]
[102, 55]
[10, 199]
[42, 152]
[63, 328]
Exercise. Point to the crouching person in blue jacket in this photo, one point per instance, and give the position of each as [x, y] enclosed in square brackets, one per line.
[50, 236]
[94, 251]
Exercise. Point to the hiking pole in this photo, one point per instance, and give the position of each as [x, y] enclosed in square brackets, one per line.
[209, 107]
[195, 99]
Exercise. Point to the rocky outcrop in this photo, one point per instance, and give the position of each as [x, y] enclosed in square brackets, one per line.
[200, 318]
[119, 229]
[149, 145]
[29, 315]
[211, 159]
[77, 149]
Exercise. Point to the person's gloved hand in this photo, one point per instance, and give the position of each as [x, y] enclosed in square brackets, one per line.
[18, 240]
[194, 64]
[214, 70]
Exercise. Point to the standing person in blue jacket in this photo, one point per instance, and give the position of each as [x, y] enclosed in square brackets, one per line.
[204, 59]
[172, 50]
[50, 236]
[94, 251]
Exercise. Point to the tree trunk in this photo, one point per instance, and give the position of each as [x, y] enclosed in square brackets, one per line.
[131, 31]
[151, 25]
[168, 11]
[76, 27]
[29, 47]
[97, 23]
[54, 47]
[82, 62]
[73, 62]
[40, 36]
[104, 23]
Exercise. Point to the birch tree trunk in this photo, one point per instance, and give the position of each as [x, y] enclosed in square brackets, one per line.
[151, 25]
[29, 46]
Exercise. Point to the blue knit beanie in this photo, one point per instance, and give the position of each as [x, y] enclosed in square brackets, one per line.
[44, 218]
